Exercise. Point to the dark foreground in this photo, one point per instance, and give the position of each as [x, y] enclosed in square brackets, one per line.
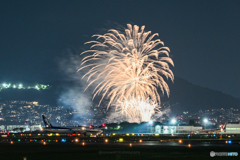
[112, 151]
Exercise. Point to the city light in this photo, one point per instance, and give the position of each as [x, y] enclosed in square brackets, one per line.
[130, 144]
[83, 143]
[76, 140]
[140, 141]
[180, 141]
[120, 140]
[106, 140]
[150, 122]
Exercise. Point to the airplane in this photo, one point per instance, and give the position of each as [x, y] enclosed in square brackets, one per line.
[87, 131]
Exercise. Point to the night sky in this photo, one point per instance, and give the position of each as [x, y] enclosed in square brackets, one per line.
[204, 36]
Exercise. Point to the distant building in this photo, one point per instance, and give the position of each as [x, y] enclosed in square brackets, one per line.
[2, 128]
[176, 129]
[233, 127]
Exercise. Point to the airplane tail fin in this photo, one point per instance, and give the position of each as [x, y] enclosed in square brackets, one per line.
[46, 122]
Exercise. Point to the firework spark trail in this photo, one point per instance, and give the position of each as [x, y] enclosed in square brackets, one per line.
[133, 68]
[137, 109]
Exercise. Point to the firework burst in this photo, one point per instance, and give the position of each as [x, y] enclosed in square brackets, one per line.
[129, 68]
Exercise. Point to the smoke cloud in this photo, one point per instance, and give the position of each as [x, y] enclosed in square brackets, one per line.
[73, 94]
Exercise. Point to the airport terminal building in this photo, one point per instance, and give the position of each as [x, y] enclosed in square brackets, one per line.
[176, 129]
[233, 127]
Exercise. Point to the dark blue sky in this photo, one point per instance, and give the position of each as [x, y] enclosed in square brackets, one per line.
[203, 36]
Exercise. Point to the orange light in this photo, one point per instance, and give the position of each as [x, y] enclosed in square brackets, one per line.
[189, 145]
[76, 140]
[44, 143]
[106, 140]
[180, 141]
[83, 143]
[140, 141]
[130, 144]
[56, 140]
[11, 142]
[30, 134]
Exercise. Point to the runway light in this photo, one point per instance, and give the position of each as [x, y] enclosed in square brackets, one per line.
[140, 141]
[106, 140]
[180, 141]
[189, 145]
[130, 144]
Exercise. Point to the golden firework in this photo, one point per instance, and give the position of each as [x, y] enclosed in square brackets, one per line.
[128, 66]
